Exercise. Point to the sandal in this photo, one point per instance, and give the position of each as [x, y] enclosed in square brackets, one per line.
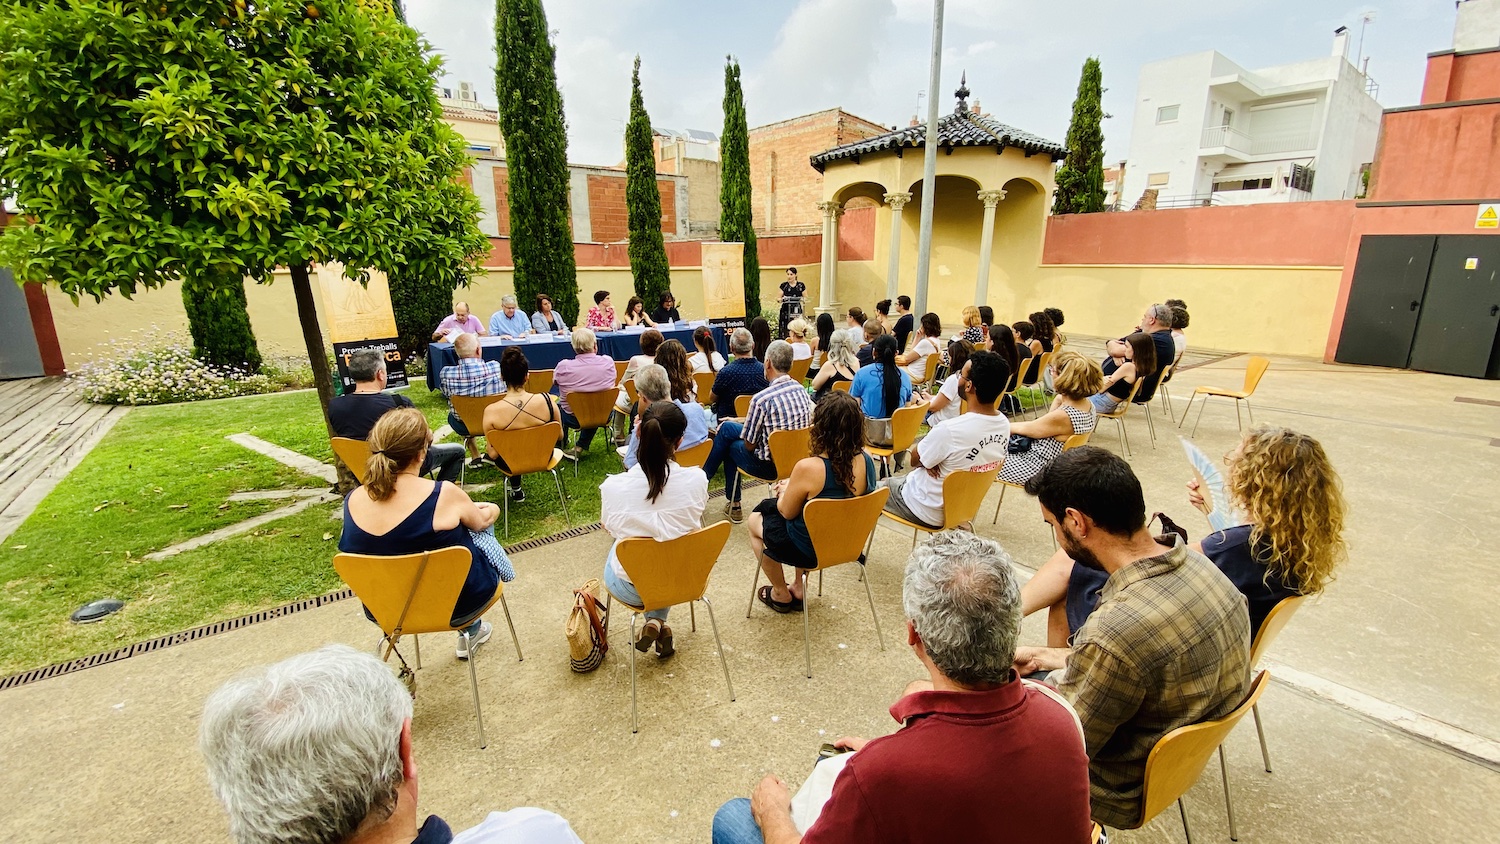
[664, 647]
[780, 606]
[649, 633]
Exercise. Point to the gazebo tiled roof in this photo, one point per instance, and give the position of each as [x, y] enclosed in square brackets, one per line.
[960, 128]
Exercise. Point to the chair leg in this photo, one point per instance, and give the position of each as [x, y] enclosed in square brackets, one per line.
[1186, 830]
[1250, 410]
[713, 622]
[1228, 801]
[996, 520]
[1238, 418]
[635, 721]
[561, 497]
[754, 582]
[807, 637]
[1150, 425]
[505, 503]
[474, 686]
[1265, 754]
[1199, 417]
[879, 637]
[692, 618]
[608, 605]
[416, 643]
[1187, 410]
[508, 623]
[820, 583]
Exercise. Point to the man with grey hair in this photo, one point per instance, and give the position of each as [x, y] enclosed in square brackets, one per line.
[353, 414]
[653, 385]
[510, 321]
[1157, 322]
[781, 406]
[317, 749]
[980, 756]
[459, 322]
[473, 376]
[586, 372]
[742, 376]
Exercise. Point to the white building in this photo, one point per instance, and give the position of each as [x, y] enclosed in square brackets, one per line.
[1208, 131]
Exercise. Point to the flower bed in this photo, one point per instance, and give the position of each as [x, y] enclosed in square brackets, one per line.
[162, 370]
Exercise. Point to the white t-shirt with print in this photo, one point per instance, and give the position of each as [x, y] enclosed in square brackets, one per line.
[972, 442]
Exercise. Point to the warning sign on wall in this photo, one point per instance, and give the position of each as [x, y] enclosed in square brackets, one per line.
[1488, 218]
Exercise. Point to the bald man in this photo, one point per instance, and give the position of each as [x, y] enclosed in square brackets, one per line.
[459, 321]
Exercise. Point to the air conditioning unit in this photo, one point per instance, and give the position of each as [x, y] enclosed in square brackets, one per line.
[466, 91]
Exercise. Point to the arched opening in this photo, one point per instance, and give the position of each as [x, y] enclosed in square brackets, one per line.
[957, 217]
[862, 202]
[1020, 219]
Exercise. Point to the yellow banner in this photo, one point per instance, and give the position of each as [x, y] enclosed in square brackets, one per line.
[354, 311]
[724, 280]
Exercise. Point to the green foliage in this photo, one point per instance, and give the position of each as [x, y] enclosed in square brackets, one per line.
[648, 251]
[419, 304]
[218, 321]
[1080, 181]
[734, 188]
[536, 153]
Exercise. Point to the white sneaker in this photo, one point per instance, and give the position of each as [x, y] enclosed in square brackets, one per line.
[474, 641]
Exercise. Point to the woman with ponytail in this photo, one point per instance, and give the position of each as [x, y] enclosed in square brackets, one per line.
[656, 498]
[838, 468]
[397, 512]
[882, 388]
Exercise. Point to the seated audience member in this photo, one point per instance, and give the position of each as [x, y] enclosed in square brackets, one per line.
[796, 332]
[651, 341]
[856, 325]
[1179, 328]
[782, 406]
[1282, 483]
[760, 332]
[972, 442]
[838, 468]
[635, 314]
[672, 357]
[1168, 644]
[1026, 335]
[883, 314]
[1002, 341]
[472, 376]
[1157, 324]
[905, 321]
[842, 365]
[518, 410]
[980, 754]
[666, 311]
[821, 342]
[973, 326]
[986, 317]
[318, 747]
[743, 376]
[1056, 315]
[353, 414]
[510, 320]
[866, 353]
[1136, 360]
[653, 384]
[396, 512]
[945, 405]
[586, 372]
[546, 320]
[915, 360]
[458, 321]
[601, 317]
[707, 357]
[1076, 378]
[655, 498]
[882, 388]
[1046, 332]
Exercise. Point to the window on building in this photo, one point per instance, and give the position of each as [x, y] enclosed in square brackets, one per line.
[1157, 180]
[1243, 184]
[1228, 117]
[1167, 114]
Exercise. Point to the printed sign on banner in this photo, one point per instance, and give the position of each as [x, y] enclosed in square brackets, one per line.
[360, 317]
[724, 284]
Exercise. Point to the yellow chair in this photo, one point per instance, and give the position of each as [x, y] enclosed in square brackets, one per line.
[695, 455]
[1161, 390]
[1255, 368]
[787, 447]
[666, 574]
[630, 392]
[705, 382]
[905, 423]
[592, 410]
[842, 386]
[742, 406]
[1035, 368]
[963, 492]
[528, 450]
[1118, 414]
[1071, 443]
[1145, 405]
[799, 369]
[539, 381]
[929, 368]
[620, 366]
[470, 410]
[1276, 619]
[415, 593]
[354, 453]
[841, 530]
[1180, 756]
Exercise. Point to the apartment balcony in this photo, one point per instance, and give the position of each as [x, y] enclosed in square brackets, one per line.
[1230, 144]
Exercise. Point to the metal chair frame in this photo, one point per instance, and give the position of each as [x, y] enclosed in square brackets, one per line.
[1255, 369]
[527, 451]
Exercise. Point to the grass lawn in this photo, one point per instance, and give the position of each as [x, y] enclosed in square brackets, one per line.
[162, 477]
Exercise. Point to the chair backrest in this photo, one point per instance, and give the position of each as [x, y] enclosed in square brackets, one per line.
[696, 455]
[787, 448]
[592, 409]
[742, 406]
[385, 585]
[1160, 378]
[1180, 756]
[630, 391]
[963, 493]
[1043, 361]
[539, 381]
[673, 572]
[354, 453]
[1031, 369]
[929, 367]
[471, 410]
[705, 381]
[799, 369]
[905, 423]
[1077, 440]
[839, 527]
[1255, 368]
[1119, 410]
[963, 404]
[620, 366]
[1275, 620]
[842, 386]
[526, 450]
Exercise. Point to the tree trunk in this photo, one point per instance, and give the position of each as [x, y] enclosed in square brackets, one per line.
[317, 356]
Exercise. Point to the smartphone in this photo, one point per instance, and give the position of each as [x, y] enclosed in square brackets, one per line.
[827, 750]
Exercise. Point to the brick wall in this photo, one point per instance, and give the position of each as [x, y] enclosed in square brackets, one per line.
[502, 200]
[608, 214]
[784, 186]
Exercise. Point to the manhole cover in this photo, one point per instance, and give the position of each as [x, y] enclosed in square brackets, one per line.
[96, 611]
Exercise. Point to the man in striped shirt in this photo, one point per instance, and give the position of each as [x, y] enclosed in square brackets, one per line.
[783, 406]
[473, 376]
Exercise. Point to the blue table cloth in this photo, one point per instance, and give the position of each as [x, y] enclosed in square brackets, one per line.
[546, 354]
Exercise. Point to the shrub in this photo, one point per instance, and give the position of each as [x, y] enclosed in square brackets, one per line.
[161, 369]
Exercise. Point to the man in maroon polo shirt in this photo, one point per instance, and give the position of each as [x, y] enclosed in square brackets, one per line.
[980, 756]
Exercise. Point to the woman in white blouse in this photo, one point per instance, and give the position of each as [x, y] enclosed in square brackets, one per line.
[707, 358]
[656, 498]
[915, 360]
[797, 335]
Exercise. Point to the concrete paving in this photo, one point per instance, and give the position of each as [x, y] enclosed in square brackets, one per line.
[110, 752]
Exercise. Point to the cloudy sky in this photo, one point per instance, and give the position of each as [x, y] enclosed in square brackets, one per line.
[871, 56]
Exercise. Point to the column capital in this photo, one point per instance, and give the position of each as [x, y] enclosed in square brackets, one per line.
[897, 201]
[830, 208]
[991, 198]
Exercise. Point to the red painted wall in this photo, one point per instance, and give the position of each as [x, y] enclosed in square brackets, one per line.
[1462, 76]
[1298, 234]
[800, 249]
[857, 234]
[1439, 153]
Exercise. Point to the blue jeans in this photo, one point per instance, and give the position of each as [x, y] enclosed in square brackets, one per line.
[443, 462]
[585, 435]
[625, 589]
[735, 454]
[733, 824]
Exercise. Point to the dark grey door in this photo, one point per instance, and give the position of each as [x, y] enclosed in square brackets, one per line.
[1461, 314]
[19, 355]
[1380, 319]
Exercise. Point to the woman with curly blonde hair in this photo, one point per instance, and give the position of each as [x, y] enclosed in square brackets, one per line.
[1284, 538]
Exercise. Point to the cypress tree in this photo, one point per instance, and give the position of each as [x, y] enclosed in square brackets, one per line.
[536, 156]
[648, 252]
[734, 187]
[1080, 181]
[218, 321]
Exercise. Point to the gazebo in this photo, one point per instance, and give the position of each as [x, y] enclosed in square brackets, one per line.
[989, 175]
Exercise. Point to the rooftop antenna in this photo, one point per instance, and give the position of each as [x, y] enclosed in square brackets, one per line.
[1364, 20]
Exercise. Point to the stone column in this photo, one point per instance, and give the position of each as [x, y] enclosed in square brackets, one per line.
[897, 201]
[828, 279]
[990, 198]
